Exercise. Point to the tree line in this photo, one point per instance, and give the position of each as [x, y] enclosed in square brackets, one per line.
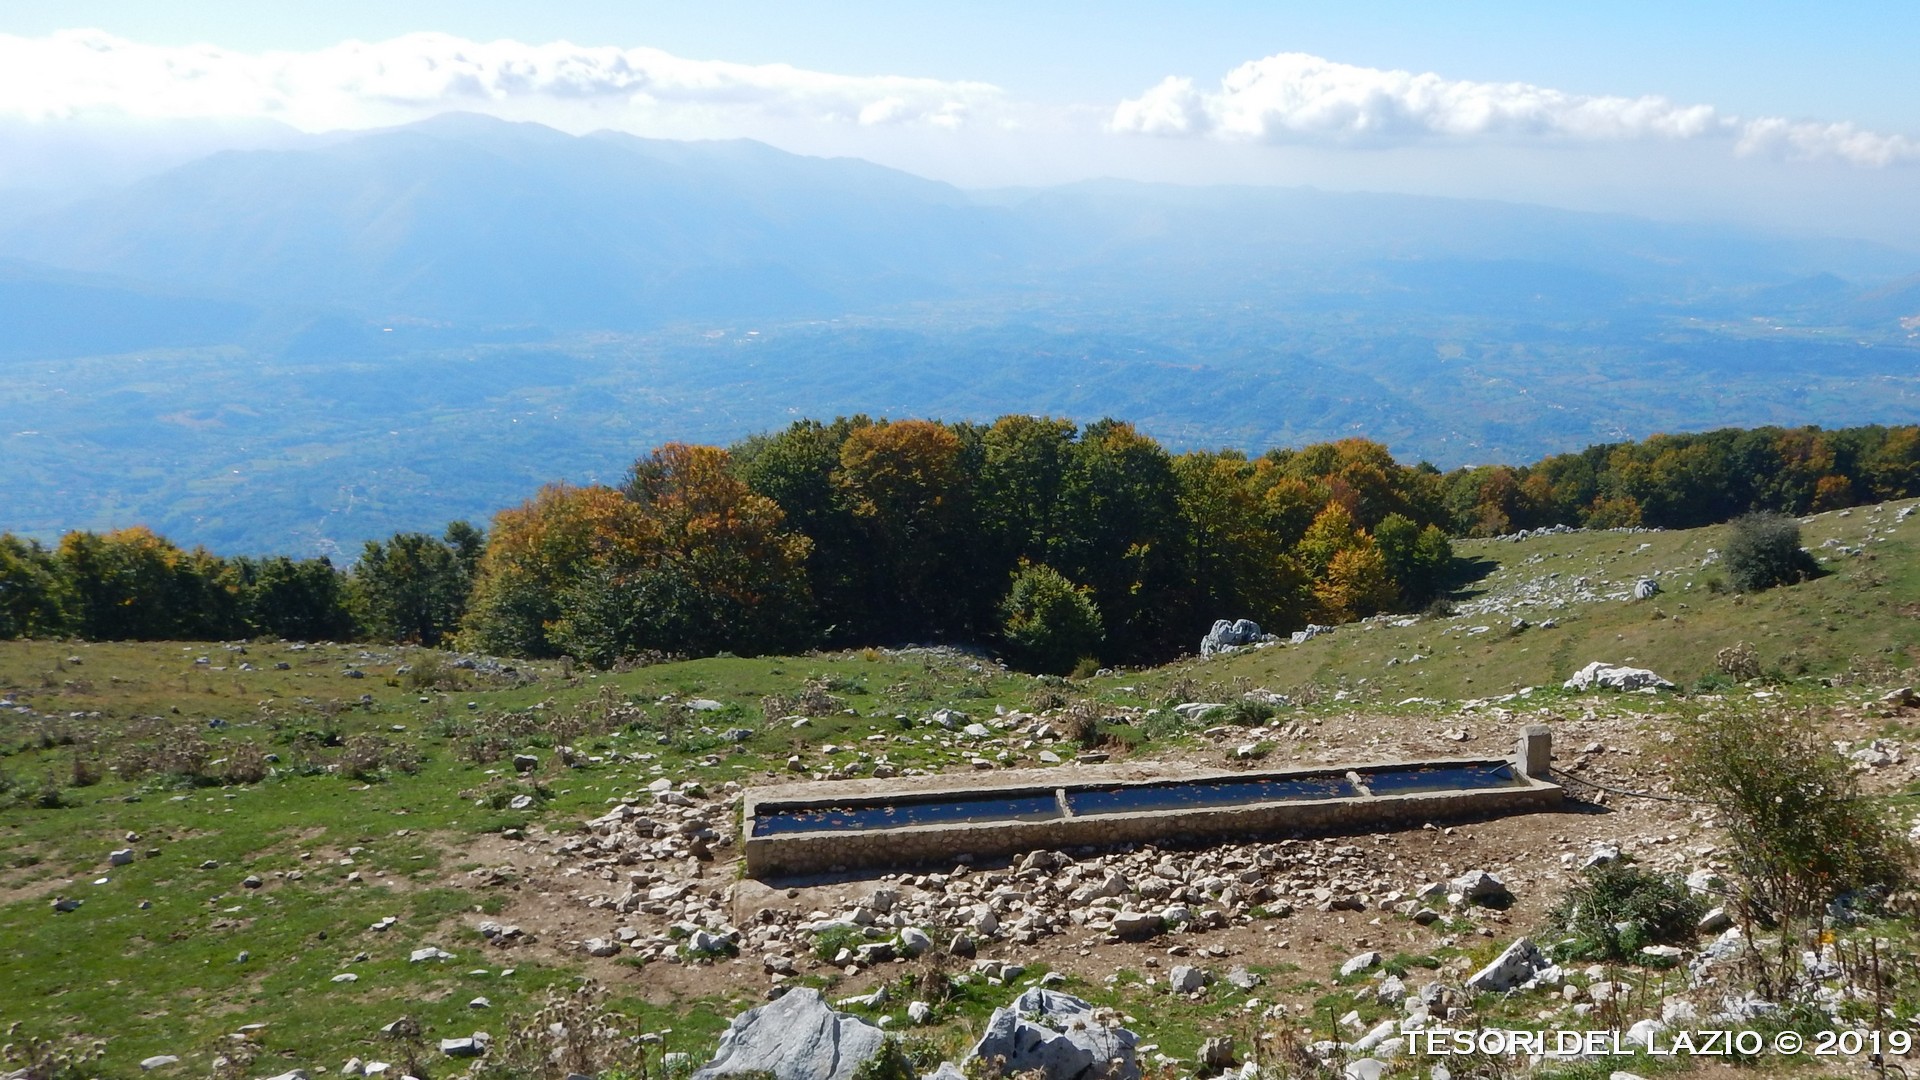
[1059, 544]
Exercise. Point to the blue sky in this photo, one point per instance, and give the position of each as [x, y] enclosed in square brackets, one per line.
[1799, 116]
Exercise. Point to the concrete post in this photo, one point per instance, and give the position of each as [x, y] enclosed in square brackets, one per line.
[1535, 753]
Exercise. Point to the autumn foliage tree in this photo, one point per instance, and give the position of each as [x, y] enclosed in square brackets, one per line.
[683, 559]
[1023, 534]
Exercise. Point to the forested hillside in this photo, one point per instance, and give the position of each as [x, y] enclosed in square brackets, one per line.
[1061, 545]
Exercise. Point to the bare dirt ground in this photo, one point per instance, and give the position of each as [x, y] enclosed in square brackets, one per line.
[1617, 742]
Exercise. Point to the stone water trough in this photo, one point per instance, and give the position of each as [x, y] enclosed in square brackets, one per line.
[838, 826]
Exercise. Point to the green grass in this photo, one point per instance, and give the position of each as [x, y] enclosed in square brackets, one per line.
[1862, 616]
[166, 979]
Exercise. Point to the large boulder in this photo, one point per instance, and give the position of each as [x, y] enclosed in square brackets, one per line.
[1058, 1036]
[1600, 675]
[1228, 635]
[798, 1036]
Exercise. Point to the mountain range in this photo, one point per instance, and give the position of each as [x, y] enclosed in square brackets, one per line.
[300, 345]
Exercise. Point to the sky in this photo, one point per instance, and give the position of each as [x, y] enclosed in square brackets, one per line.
[1799, 117]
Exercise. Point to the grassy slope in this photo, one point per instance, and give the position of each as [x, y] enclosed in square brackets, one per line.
[167, 979]
[1864, 616]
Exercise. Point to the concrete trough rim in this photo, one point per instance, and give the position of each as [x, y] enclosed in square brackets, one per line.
[828, 797]
[837, 849]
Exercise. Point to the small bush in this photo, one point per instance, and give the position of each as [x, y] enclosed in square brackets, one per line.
[33, 1058]
[246, 764]
[1763, 550]
[1738, 661]
[86, 770]
[1616, 909]
[1050, 623]
[814, 699]
[891, 1063]
[828, 943]
[1802, 835]
[1244, 712]
[431, 671]
[168, 751]
[370, 757]
[1080, 724]
[1042, 698]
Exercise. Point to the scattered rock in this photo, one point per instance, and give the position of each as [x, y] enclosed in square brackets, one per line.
[914, 941]
[1521, 961]
[1186, 979]
[1480, 887]
[471, 1046]
[1359, 963]
[1365, 1068]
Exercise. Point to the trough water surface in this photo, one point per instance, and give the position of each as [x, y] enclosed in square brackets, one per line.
[1474, 776]
[1192, 795]
[1040, 806]
[1133, 798]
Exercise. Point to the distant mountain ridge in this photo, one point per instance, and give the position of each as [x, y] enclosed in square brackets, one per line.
[485, 223]
[321, 339]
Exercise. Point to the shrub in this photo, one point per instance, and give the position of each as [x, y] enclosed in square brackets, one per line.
[246, 764]
[1245, 712]
[430, 671]
[1763, 550]
[1738, 661]
[828, 943]
[172, 751]
[891, 1063]
[1802, 835]
[1050, 623]
[1615, 909]
[86, 770]
[814, 699]
[369, 757]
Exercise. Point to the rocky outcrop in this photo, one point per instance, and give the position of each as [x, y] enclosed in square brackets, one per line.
[796, 1037]
[1601, 675]
[1057, 1035]
[1521, 961]
[1228, 635]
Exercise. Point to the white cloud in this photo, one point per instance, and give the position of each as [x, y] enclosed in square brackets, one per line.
[357, 84]
[1295, 97]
